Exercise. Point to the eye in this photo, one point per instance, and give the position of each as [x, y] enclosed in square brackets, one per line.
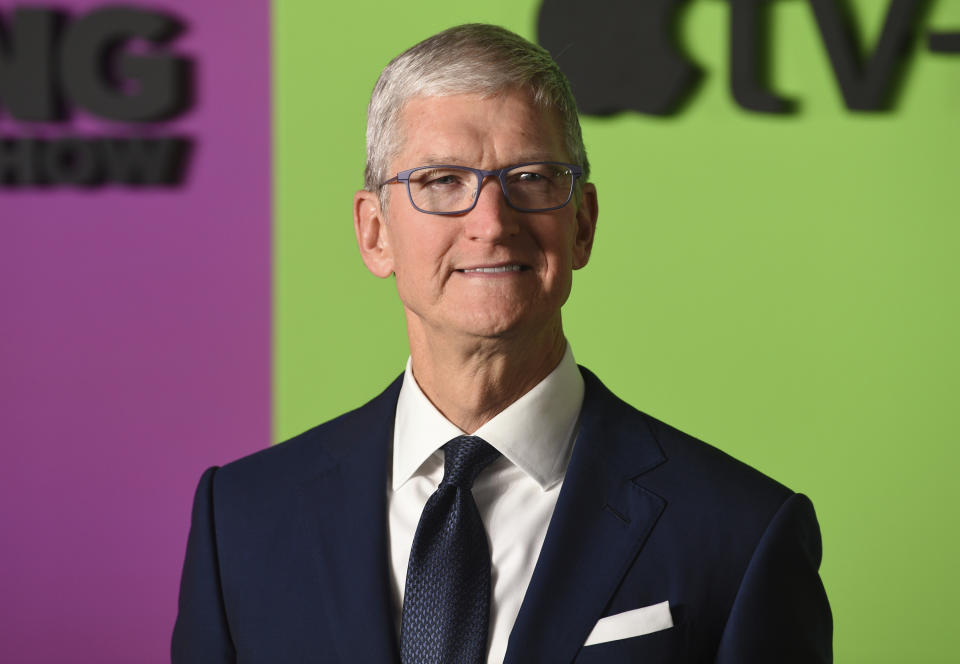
[533, 175]
[441, 178]
[527, 176]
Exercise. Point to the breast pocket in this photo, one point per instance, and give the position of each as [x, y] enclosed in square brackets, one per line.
[668, 646]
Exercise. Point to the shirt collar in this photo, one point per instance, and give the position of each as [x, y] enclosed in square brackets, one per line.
[535, 432]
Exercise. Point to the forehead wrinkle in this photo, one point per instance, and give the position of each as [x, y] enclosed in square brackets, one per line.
[418, 123]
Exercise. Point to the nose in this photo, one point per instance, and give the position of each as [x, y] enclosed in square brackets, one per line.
[491, 219]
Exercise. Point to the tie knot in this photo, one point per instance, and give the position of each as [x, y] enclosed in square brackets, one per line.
[464, 458]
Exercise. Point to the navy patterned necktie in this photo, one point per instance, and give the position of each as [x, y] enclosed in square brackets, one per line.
[446, 600]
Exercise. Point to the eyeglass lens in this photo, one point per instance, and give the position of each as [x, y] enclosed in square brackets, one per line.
[530, 187]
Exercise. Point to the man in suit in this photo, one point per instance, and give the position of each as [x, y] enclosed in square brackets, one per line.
[496, 503]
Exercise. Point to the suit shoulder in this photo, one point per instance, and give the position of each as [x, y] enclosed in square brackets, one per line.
[299, 456]
[686, 464]
[707, 466]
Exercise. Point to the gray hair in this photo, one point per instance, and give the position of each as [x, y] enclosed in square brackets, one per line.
[475, 58]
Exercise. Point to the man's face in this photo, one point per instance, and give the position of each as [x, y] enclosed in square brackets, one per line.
[438, 260]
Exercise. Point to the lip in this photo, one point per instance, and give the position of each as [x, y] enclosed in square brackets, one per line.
[499, 269]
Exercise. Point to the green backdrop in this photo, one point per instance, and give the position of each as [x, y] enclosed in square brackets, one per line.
[784, 287]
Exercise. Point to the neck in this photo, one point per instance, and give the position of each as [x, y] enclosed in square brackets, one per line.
[469, 380]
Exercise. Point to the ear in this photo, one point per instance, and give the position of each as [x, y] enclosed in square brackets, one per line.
[370, 226]
[587, 212]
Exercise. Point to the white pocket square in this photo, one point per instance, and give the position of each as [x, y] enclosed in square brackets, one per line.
[628, 624]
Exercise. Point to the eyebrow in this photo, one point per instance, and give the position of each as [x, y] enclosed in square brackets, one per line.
[433, 159]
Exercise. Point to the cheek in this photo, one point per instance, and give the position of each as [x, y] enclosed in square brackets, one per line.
[558, 247]
[420, 261]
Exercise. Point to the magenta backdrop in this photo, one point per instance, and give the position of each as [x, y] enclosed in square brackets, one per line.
[134, 352]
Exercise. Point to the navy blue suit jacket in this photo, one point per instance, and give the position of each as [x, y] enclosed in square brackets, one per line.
[287, 555]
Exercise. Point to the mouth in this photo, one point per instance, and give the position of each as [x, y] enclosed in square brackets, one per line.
[494, 269]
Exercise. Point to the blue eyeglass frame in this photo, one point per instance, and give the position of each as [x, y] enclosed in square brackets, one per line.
[404, 177]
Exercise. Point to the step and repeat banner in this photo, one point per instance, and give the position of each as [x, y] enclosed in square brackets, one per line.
[774, 272]
[135, 235]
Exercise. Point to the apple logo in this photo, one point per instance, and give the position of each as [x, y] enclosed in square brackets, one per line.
[619, 55]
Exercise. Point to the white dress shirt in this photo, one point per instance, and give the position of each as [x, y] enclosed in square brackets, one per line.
[515, 495]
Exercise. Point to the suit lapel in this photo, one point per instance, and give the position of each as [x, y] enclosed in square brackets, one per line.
[344, 507]
[601, 521]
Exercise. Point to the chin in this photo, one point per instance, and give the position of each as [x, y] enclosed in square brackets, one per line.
[492, 330]
[486, 325]
[506, 325]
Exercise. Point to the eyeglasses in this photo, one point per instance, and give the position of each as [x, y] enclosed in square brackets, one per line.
[537, 186]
